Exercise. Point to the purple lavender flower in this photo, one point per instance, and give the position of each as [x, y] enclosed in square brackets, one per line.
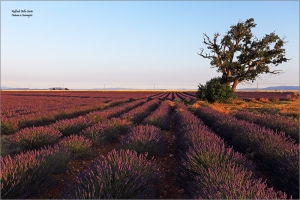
[276, 123]
[161, 116]
[272, 151]
[24, 173]
[145, 138]
[120, 175]
[71, 126]
[36, 137]
[78, 145]
[138, 114]
[210, 169]
[106, 131]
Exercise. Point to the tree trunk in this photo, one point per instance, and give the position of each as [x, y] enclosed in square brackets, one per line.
[235, 83]
[228, 75]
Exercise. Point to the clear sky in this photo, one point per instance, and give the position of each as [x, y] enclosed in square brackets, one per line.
[134, 44]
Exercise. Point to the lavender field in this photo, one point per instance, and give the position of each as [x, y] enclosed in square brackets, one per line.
[146, 144]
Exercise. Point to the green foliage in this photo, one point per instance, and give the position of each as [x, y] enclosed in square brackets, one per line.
[201, 93]
[78, 145]
[25, 173]
[58, 162]
[120, 175]
[35, 137]
[158, 121]
[215, 90]
[7, 127]
[240, 56]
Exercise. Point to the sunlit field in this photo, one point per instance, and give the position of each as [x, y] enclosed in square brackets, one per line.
[148, 144]
[286, 107]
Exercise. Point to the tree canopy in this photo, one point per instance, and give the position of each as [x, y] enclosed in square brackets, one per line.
[240, 56]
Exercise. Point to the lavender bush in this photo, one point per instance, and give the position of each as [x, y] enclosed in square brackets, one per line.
[100, 133]
[117, 111]
[71, 126]
[24, 173]
[8, 125]
[96, 116]
[106, 131]
[120, 175]
[185, 97]
[138, 114]
[276, 123]
[116, 102]
[41, 115]
[230, 182]
[272, 151]
[209, 169]
[100, 116]
[145, 138]
[35, 137]
[161, 116]
[185, 117]
[77, 145]
[120, 124]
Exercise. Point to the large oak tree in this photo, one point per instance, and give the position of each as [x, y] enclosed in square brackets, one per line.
[242, 57]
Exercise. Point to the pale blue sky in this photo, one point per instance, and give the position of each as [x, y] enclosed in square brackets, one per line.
[134, 44]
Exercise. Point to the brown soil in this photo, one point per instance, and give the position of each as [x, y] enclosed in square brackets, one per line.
[170, 188]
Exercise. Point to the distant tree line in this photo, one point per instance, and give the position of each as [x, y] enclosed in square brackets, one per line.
[59, 89]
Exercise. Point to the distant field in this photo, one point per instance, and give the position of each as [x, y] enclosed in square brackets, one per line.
[99, 90]
[73, 144]
[268, 94]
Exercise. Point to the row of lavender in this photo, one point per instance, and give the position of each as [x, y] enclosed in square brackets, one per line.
[276, 123]
[273, 152]
[161, 116]
[257, 95]
[126, 173]
[15, 102]
[19, 106]
[109, 128]
[138, 144]
[180, 96]
[211, 170]
[12, 105]
[36, 137]
[121, 174]
[125, 112]
[19, 173]
[12, 124]
[269, 95]
[129, 173]
[24, 173]
[185, 97]
[42, 115]
[15, 106]
[138, 114]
